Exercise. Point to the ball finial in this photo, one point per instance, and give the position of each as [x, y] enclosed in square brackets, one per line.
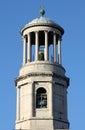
[42, 11]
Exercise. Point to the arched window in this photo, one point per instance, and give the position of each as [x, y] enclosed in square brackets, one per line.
[41, 98]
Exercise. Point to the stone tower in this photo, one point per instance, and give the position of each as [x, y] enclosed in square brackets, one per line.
[42, 84]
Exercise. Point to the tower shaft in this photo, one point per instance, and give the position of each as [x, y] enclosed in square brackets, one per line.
[42, 84]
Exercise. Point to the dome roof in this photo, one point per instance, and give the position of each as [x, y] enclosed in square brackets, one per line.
[41, 20]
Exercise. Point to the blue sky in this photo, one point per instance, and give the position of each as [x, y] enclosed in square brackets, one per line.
[70, 15]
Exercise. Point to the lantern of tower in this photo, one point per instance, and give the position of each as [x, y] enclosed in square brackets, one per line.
[42, 84]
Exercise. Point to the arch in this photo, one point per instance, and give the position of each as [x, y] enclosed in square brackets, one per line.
[41, 98]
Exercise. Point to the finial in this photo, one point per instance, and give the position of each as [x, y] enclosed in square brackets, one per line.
[42, 11]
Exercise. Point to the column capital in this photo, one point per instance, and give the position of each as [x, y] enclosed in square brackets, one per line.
[46, 31]
[36, 31]
[59, 37]
[29, 34]
[54, 32]
[24, 36]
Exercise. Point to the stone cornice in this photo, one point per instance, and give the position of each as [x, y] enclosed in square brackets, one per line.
[42, 74]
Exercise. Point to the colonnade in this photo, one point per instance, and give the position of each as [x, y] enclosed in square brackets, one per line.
[27, 54]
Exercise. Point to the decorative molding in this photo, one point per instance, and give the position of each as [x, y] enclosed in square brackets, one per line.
[43, 74]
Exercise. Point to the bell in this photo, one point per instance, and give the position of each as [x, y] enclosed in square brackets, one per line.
[41, 55]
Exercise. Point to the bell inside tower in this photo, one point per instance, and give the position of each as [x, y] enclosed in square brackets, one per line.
[42, 46]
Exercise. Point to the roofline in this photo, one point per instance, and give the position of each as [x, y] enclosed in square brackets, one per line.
[42, 24]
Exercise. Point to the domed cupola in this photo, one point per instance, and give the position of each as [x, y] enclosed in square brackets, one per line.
[43, 21]
[42, 39]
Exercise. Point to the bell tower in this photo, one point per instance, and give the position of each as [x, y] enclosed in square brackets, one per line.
[42, 84]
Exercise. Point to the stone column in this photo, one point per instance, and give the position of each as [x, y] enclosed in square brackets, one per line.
[24, 50]
[46, 45]
[29, 47]
[54, 49]
[37, 45]
[59, 50]
[18, 104]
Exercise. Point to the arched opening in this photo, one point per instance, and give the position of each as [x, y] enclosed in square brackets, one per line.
[41, 98]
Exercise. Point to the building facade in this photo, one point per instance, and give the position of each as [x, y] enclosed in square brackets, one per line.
[42, 84]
